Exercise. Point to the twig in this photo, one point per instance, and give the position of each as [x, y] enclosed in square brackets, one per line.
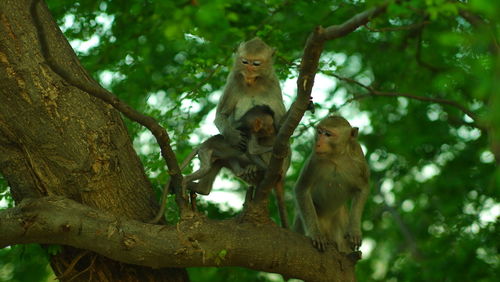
[336, 31]
[85, 270]
[418, 53]
[72, 264]
[374, 92]
[201, 83]
[397, 28]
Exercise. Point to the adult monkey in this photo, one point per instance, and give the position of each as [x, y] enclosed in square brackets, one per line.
[335, 173]
[252, 82]
[259, 130]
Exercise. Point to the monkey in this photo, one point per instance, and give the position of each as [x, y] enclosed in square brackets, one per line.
[257, 125]
[252, 81]
[335, 173]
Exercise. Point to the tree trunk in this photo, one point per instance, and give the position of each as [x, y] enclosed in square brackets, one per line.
[58, 140]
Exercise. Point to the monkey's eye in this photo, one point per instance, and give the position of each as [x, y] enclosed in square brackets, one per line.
[244, 61]
[322, 131]
[257, 63]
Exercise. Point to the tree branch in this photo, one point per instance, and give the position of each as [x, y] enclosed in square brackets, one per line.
[193, 242]
[91, 87]
[374, 92]
[398, 28]
[336, 31]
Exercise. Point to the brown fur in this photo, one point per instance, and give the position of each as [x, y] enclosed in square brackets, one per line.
[335, 173]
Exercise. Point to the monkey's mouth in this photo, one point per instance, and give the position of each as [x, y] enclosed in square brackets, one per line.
[250, 80]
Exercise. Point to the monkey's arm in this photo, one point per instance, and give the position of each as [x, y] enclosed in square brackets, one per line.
[303, 194]
[222, 121]
[255, 149]
[357, 205]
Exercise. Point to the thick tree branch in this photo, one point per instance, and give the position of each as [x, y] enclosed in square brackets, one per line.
[194, 242]
[90, 86]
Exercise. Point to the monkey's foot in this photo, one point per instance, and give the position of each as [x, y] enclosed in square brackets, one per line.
[195, 187]
[354, 256]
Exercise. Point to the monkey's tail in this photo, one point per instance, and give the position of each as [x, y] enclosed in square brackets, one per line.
[166, 189]
[189, 158]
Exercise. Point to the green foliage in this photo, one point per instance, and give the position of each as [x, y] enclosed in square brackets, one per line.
[23, 263]
[5, 198]
[435, 187]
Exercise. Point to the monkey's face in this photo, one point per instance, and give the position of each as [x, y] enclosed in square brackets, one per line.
[251, 67]
[264, 126]
[324, 137]
[330, 139]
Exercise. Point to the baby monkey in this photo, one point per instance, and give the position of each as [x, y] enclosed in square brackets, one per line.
[335, 174]
[259, 132]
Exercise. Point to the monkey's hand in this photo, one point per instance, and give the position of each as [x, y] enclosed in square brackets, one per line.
[353, 237]
[319, 242]
[311, 107]
[235, 137]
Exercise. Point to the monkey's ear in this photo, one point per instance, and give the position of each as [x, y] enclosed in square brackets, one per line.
[273, 52]
[354, 132]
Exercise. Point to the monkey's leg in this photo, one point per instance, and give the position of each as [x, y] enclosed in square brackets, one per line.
[297, 225]
[192, 198]
[204, 186]
[339, 223]
[235, 165]
[205, 157]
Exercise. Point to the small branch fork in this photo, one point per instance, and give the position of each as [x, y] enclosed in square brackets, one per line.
[305, 82]
[93, 88]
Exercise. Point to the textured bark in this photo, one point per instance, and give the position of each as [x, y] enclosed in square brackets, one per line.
[58, 140]
[193, 242]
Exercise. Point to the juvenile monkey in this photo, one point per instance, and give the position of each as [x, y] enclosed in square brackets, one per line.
[335, 173]
[251, 82]
[258, 129]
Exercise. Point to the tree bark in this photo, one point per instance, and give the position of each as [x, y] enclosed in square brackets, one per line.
[58, 140]
[192, 242]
